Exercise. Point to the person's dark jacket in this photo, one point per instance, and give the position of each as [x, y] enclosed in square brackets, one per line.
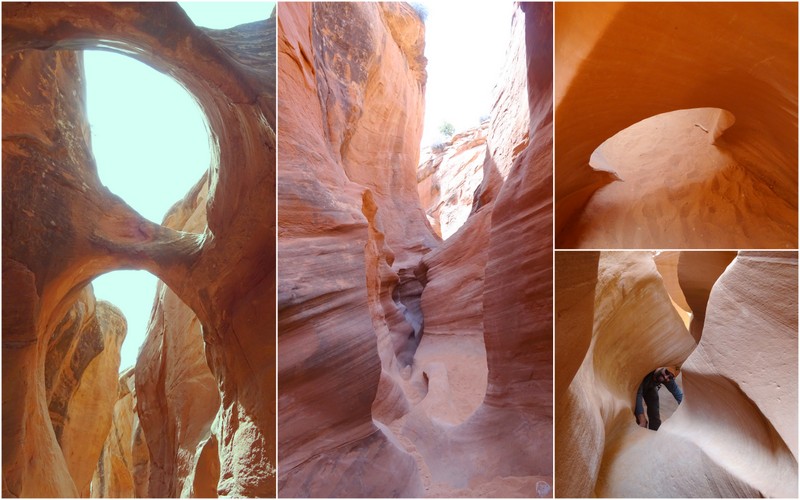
[648, 383]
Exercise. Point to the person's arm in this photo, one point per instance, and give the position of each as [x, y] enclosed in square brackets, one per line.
[673, 387]
[641, 421]
[639, 402]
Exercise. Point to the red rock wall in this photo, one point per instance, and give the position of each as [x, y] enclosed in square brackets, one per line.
[357, 396]
[343, 181]
[674, 184]
[448, 177]
[61, 227]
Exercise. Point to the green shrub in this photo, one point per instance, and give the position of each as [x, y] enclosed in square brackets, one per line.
[447, 129]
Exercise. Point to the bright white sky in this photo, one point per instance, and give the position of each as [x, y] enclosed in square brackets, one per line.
[151, 145]
[465, 43]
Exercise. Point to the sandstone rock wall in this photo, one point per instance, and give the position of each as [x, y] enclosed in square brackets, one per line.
[62, 228]
[735, 432]
[719, 158]
[177, 396]
[382, 329]
[81, 368]
[448, 177]
[113, 477]
[345, 69]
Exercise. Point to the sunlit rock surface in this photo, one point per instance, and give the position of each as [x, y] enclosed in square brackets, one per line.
[735, 434]
[448, 177]
[113, 477]
[676, 122]
[62, 228]
[81, 380]
[409, 367]
[177, 397]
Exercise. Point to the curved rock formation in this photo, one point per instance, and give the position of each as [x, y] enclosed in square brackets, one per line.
[113, 477]
[735, 432]
[81, 376]
[347, 167]
[177, 396]
[62, 228]
[660, 83]
[408, 367]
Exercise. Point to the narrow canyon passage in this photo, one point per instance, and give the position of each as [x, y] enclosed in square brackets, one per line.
[624, 314]
[409, 366]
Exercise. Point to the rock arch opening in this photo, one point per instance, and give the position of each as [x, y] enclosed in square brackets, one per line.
[674, 144]
[678, 182]
[132, 292]
[150, 139]
[151, 143]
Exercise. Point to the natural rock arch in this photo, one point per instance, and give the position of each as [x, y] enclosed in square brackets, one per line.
[61, 227]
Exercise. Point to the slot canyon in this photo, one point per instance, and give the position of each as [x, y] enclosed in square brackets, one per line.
[410, 365]
[196, 416]
[729, 320]
[676, 122]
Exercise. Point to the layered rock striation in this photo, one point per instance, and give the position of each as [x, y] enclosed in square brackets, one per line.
[661, 140]
[113, 477]
[449, 175]
[408, 367]
[735, 433]
[62, 228]
[80, 377]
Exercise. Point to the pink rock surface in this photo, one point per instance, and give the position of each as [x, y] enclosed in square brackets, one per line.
[405, 364]
[448, 176]
[342, 178]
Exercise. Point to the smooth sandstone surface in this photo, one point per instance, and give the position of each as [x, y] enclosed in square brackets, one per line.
[81, 380]
[113, 477]
[735, 432]
[62, 228]
[408, 367]
[677, 121]
[340, 244]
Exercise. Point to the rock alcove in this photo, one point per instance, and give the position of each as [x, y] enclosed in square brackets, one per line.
[611, 74]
